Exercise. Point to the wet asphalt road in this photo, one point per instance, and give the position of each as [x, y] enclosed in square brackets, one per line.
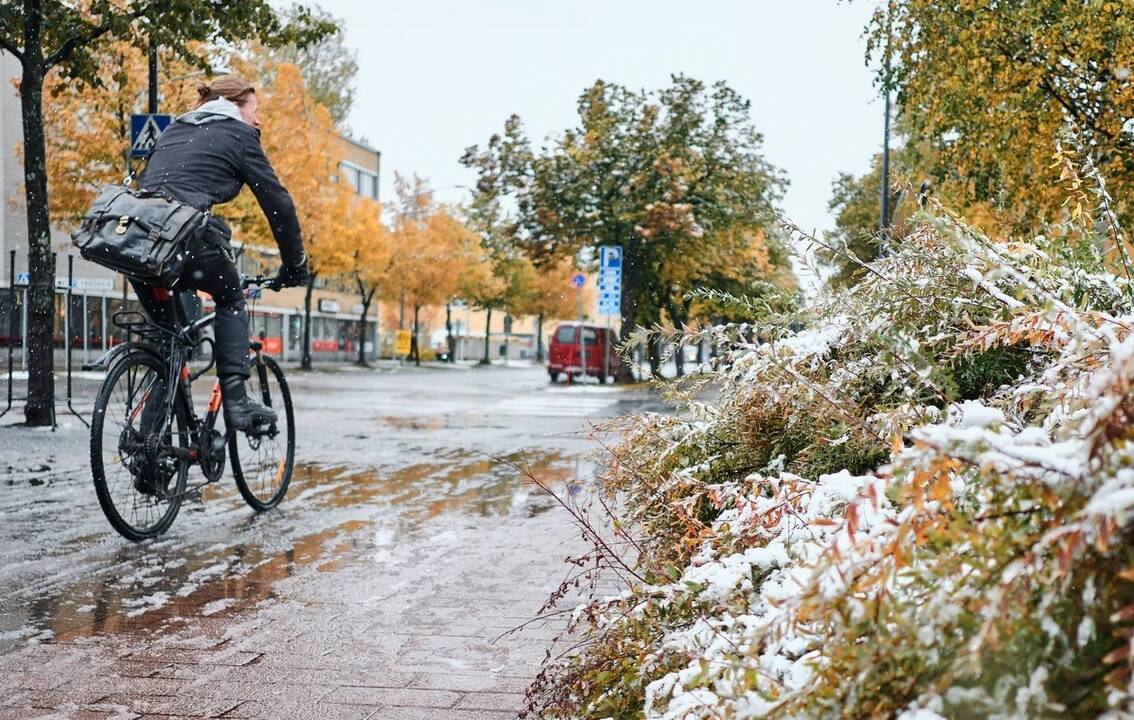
[408, 543]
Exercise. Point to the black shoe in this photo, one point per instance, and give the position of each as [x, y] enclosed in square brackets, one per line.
[240, 413]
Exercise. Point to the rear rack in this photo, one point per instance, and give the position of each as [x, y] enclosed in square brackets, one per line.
[136, 323]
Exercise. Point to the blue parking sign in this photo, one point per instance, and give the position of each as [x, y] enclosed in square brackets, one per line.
[610, 280]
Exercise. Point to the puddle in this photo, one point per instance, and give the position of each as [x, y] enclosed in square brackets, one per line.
[426, 422]
[455, 481]
[219, 560]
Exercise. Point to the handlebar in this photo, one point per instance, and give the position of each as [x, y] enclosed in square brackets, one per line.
[271, 283]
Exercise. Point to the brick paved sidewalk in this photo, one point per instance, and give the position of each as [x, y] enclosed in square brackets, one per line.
[411, 633]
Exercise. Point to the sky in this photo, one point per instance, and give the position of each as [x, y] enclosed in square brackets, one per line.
[436, 76]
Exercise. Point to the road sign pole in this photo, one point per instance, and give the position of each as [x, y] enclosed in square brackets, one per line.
[153, 77]
[606, 352]
[610, 291]
[582, 345]
[11, 323]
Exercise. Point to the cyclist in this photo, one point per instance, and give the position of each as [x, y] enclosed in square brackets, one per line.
[204, 158]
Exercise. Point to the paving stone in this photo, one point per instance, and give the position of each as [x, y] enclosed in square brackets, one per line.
[186, 704]
[513, 702]
[235, 658]
[55, 698]
[393, 713]
[260, 710]
[396, 697]
[473, 682]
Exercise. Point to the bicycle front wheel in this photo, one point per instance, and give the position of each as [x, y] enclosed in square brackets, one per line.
[262, 460]
[138, 477]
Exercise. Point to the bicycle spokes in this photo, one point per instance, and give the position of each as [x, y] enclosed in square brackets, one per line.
[137, 470]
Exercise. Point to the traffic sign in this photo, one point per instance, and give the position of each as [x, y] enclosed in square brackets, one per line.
[578, 280]
[23, 279]
[144, 132]
[610, 280]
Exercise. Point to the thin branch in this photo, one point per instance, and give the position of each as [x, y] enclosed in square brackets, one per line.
[76, 39]
[11, 49]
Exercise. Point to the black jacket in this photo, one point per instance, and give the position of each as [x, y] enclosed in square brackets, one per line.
[204, 158]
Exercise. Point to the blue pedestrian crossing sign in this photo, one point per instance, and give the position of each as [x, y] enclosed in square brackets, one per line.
[610, 280]
[144, 132]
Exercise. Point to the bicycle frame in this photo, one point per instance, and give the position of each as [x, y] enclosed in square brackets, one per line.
[171, 434]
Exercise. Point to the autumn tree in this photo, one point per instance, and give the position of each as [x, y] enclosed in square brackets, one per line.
[327, 65]
[667, 175]
[988, 88]
[430, 247]
[87, 131]
[549, 296]
[70, 38]
[297, 134]
[475, 281]
[857, 238]
[371, 249]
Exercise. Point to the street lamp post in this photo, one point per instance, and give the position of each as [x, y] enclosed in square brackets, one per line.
[884, 220]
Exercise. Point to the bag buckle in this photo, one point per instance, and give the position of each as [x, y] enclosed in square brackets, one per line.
[122, 223]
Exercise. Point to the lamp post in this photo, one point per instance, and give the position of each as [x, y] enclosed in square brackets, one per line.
[884, 219]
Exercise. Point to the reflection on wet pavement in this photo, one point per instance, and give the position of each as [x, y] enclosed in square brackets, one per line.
[220, 559]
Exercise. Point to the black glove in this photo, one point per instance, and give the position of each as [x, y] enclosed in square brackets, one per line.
[294, 275]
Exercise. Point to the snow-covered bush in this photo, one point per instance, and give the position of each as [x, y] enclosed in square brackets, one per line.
[916, 507]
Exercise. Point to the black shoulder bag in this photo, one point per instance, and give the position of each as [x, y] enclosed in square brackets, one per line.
[140, 234]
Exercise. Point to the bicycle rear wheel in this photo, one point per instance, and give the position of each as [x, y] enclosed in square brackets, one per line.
[262, 461]
[138, 479]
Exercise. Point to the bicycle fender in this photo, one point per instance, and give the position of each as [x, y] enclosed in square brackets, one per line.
[115, 353]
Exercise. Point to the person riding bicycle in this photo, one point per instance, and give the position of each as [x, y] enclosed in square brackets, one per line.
[204, 158]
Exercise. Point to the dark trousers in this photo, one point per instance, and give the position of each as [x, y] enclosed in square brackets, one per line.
[210, 268]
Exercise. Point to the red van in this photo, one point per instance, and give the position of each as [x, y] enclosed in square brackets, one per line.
[563, 353]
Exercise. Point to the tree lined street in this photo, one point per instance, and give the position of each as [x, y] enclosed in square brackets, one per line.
[872, 465]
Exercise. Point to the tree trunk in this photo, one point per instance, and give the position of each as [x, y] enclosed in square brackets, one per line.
[414, 348]
[305, 362]
[486, 360]
[678, 316]
[539, 338]
[40, 407]
[449, 339]
[653, 348]
[631, 267]
[366, 297]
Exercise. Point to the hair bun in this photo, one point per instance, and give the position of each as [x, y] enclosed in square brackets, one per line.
[204, 90]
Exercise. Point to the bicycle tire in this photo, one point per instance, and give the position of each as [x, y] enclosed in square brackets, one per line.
[104, 486]
[250, 475]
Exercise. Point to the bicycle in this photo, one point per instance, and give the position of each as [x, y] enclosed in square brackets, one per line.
[144, 439]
